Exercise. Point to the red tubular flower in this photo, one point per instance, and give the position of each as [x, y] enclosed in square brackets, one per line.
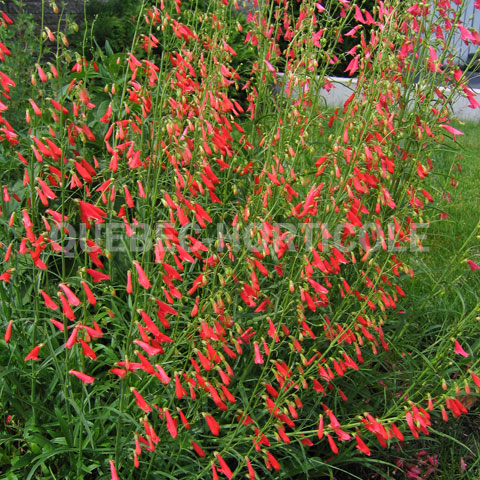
[361, 445]
[444, 414]
[332, 443]
[142, 278]
[41, 73]
[97, 276]
[5, 277]
[142, 404]
[227, 394]
[58, 324]
[145, 364]
[87, 350]
[162, 375]
[214, 472]
[258, 356]
[149, 349]
[212, 425]
[273, 461]
[36, 110]
[179, 390]
[33, 355]
[71, 297]
[251, 471]
[113, 471]
[451, 130]
[88, 292]
[171, 424]
[82, 376]
[129, 288]
[183, 418]
[459, 349]
[67, 311]
[473, 265]
[225, 468]
[7, 19]
[72, 340]
[194, 311]
[8, 332]
[90, 212]
[198, 449]
[320, 428]
[476, 379]
[397, 432]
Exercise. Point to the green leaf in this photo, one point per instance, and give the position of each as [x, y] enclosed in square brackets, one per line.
[108, 49]
[64, 427]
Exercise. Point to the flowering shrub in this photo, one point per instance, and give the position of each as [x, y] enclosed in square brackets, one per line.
[194, 288]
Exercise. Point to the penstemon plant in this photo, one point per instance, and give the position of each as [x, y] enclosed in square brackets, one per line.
[198, 283]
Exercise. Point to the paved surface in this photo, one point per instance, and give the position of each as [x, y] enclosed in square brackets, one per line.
[474, 79]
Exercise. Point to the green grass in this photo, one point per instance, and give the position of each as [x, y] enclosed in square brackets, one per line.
[445, 293]
[459, 161]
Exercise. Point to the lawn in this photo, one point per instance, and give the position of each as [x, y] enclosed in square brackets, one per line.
[446, 291]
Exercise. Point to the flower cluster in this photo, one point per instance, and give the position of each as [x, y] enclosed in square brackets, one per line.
[221, 360]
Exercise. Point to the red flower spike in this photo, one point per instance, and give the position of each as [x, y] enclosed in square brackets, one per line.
[82, 376]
